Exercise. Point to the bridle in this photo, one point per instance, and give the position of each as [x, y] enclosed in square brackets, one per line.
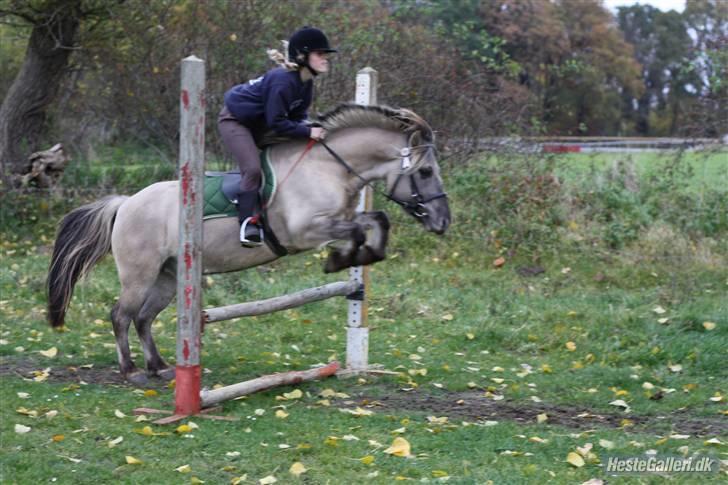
[416, 207]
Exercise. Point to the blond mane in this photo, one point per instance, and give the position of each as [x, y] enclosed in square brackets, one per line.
[350, 115]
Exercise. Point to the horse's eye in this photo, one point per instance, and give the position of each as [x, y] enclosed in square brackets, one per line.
[425, 172]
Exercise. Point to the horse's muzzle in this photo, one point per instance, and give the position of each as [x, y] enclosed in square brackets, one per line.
[438, 216]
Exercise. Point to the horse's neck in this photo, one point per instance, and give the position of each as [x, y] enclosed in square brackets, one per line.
[369, 151]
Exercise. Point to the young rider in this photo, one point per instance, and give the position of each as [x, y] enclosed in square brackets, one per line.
[277, 101]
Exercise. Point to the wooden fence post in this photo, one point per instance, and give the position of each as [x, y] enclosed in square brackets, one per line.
[357, 332]
[189, 254]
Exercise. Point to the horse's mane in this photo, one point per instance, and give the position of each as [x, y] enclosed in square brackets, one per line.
[350, 115]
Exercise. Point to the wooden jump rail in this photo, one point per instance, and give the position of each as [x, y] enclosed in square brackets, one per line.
[279, 303]
[190, 399]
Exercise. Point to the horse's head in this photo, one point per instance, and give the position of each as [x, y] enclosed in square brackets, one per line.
[406, 160]
[417, 184]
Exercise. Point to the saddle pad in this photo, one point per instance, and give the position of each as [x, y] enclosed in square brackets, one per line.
[221, 189]
[216, 203]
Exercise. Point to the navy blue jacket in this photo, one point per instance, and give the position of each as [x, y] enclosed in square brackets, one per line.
[279, 101]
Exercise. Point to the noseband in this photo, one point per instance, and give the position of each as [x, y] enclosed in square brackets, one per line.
[416, 207]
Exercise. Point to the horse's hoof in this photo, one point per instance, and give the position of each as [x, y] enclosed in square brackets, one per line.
[382, 219]
[137, 378]
[335, 262]
[167, 374]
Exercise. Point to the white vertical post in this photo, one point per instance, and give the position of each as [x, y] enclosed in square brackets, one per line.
[189, 254]
[357, 333]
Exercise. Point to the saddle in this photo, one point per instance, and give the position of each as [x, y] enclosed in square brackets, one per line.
[221, 191]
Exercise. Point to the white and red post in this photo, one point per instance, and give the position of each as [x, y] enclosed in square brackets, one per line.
[357, 331]
[189, 253]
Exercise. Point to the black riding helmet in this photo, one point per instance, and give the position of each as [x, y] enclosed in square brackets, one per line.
[305, 41]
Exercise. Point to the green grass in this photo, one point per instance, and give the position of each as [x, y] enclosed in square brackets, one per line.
[707, 169]
[437, 304]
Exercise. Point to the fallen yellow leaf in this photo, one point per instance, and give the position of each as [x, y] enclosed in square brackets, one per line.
[281, 414]
[357, 412]
[28, 412]
[52, 352]
[267, 480]
[295, 394]
[183, 469]
[115, 441]
[130, 460]
[436, 420]
[367, 460]
[570, 346]
[575, 459]
[400, 447]
[542, 418]
[606, 444]
[150, 393]
[709, 325]
[297, 469]
[58, 437]
[148, 431]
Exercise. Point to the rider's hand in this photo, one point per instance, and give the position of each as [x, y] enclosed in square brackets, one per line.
[318, 133]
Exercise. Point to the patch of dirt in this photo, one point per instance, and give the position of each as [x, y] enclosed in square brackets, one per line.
[475, 406]
[25, 368]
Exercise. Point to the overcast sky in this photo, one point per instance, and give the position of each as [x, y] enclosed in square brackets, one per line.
[663, 5]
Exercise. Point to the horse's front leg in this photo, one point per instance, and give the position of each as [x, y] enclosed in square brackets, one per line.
[362, 251]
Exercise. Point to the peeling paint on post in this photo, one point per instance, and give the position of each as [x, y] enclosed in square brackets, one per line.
[189, 253]
[357, 333]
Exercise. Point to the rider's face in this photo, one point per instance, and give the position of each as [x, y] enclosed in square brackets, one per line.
[319, 61]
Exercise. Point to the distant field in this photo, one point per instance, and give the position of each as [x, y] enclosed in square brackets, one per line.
[709, 168]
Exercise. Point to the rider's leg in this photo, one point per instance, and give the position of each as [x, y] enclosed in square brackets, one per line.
[240, 142]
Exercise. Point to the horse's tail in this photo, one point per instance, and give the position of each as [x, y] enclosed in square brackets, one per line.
[84, 237]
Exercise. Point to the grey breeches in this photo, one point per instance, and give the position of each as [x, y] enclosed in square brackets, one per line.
[239, 141]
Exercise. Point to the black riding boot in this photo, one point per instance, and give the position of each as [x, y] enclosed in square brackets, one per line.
[251, 231]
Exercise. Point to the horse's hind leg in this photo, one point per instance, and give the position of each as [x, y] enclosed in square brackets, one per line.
[157, 299]
[121, 317]
[137, 276]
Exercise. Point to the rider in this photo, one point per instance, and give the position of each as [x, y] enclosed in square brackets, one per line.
[277, 101]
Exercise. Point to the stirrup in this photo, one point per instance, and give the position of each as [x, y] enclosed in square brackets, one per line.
[249, 241]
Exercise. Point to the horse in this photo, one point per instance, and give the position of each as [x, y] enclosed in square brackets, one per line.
[315, 206]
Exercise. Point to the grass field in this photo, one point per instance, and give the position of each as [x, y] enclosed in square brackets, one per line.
[621, 347]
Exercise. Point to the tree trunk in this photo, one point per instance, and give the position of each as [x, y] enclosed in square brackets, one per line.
[23, 111]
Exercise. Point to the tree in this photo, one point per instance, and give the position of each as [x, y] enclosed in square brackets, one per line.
[707, 22]
[54, 32]
[662, 45]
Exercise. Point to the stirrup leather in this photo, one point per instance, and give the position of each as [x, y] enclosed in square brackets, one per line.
[244, 228]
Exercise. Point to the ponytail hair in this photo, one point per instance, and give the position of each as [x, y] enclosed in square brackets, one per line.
[281, 59]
